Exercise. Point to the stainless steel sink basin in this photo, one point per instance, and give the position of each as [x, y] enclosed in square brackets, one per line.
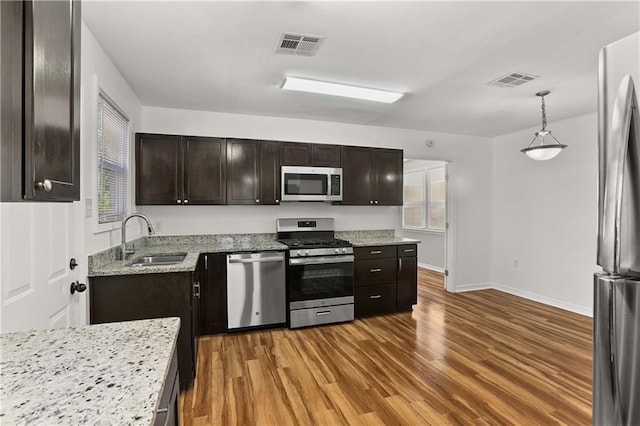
[158, 259]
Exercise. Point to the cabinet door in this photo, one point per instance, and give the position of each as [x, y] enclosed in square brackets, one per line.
[407, 284]
[325, 155]
[204, 170]
[270, 172]
[295, 154]
[243, 172]
[388, 177]
[158, 169]
[357, 168]
[213, 294]
[52, 100]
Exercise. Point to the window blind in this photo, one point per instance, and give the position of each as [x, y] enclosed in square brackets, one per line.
[113, 162]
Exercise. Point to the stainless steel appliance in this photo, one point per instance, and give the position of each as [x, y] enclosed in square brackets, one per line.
[319, 272]
[256, 290]
[616, 345]
[311, 183]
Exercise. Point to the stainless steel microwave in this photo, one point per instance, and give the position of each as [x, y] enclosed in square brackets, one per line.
[311, 183]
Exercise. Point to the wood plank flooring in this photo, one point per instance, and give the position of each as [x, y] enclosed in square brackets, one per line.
[479, 358]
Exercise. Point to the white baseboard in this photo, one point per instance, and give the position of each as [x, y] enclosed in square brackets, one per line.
[474, 287]
[431, 267]
[546, 300]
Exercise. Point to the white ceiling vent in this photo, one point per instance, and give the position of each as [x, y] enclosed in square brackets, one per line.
[513, 79]
[298, 44]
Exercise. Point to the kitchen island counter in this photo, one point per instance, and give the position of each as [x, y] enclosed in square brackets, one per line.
[109, 373]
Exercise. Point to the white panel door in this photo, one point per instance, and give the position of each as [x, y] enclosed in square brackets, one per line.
[38, 241]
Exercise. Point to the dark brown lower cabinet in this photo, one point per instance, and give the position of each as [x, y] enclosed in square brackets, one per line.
[168, 413]
[385, 279]
[145, 296]
[213, 312]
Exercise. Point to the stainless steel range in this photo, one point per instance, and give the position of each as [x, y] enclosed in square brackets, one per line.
[319, 272]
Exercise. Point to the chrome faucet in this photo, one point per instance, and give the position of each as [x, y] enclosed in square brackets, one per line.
[123, 247]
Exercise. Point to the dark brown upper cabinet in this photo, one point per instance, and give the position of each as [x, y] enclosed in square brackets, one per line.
[270, 172]
[40, 86]
[243, 171]
[310, 154]
[371, 176]
[180, 170]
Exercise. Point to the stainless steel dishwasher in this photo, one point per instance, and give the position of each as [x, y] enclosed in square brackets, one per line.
[256, 290]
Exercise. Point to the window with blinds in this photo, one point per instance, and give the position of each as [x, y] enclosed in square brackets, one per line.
[113, 162]
[424, 199]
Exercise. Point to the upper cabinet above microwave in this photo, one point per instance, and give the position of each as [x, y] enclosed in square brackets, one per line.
[310, 154]
[40, 139]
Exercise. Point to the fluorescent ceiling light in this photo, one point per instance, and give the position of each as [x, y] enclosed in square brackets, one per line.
[325, 88]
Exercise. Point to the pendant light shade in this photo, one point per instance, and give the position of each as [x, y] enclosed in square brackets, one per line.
[539, 149]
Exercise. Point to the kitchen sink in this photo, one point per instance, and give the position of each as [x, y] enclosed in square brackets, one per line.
[157, 259]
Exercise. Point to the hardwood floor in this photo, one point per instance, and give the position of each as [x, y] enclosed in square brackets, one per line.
[481, 357]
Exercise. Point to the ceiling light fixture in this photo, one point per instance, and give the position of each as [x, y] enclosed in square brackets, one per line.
[335, 89]
[542, 151]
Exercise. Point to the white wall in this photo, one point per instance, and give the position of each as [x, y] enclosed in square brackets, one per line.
[100, 74]
[471, 176]
[545, 216]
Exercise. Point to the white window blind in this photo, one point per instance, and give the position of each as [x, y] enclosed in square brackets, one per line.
[113, 162]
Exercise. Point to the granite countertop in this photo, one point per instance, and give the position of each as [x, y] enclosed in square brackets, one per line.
[106, 263]
[108, 373]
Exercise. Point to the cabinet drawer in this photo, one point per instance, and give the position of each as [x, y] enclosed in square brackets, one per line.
[408, 250]
[374, 272]
[374, 252]
[377, 299]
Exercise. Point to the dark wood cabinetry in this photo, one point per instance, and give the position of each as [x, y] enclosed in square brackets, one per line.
[243, 171]
[310, 154]
[167, 413]
[372, 176]
[385, 279]
[213, 290]
[407, 283]
[145, 296]
[40, 138]
[180, 170]
[270, 172]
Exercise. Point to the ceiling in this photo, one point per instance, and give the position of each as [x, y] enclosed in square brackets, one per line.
[219, 56]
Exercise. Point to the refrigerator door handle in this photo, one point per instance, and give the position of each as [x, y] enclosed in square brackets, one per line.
[619, 149]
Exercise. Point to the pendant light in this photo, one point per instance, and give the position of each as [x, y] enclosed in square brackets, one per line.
[541, 150]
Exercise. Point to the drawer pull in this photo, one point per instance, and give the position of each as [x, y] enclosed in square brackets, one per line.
[323, 313]
[375, 270]
[408, 250]
[375, 296]
[376, 252]
[162, 410]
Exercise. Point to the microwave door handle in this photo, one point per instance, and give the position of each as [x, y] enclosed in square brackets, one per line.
[617, 150]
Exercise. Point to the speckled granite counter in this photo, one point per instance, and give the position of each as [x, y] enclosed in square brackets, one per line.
[105, 263]
[374, 238]
[107, 374]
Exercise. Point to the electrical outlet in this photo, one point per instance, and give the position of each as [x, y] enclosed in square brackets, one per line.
[88, 207]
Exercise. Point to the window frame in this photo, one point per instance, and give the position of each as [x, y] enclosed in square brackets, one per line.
[95, 204]
[427, 203]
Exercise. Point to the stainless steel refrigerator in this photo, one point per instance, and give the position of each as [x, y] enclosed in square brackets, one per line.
[616, 335]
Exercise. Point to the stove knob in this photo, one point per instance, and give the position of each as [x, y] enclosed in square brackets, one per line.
[306, 252]
[337, 250]
[300, 252]
[344, 250]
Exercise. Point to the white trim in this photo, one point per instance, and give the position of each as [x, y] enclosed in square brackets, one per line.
[426, 231]
[431, 267]
[473, 287]
[450, 231]
[586, 311]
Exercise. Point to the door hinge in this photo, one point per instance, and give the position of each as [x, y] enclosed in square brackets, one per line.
[446, 225]
[446, 272]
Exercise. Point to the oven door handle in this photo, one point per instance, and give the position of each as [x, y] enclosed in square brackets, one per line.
[321, 260]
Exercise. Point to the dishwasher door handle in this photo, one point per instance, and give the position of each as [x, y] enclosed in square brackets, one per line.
[257, 260]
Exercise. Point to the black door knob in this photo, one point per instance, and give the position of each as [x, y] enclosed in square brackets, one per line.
[73, 263]
[78, 286]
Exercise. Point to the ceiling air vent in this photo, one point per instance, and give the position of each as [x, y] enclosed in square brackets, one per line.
[513, 79]
[298, 44]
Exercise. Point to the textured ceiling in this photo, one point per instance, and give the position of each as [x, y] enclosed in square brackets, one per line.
[219, 56]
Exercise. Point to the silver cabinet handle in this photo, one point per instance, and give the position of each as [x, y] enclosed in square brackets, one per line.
[257, 200]
[399, 263]
[196, 286]
[45, 185]
[206, 262]
[370, 201]
[277, 201]
[408, 250]
[376, 252]
[179, 201]
[162, 410]
[323, 313]
[376, 201]
[375, 296]
[186, 201]
[375, 270]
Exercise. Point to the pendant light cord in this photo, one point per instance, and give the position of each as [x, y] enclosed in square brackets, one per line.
[544, 115]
